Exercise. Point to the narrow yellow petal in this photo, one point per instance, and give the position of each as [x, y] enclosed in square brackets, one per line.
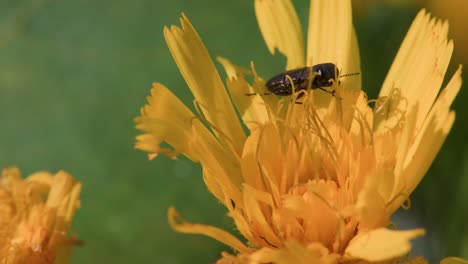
[242, 224]
[223, 182]
[438, 116]
[281, 29]
[43, 177]
[253, 109]
[219, 169]
[293, 252]
[353, 65]
[451, 90]
[421, 63]
[331, 38]
[371, 205]
[406, 139]
[258, 220]
[415, 260]
[68, 210]
[181, 225]
[165, 118]
[249, 164]
[42, 180]
[313, 209]
[213, 184]
[198, 70]
[382, 244]
[435, 129]
[269, 159]
[63, 183]
[453, 260]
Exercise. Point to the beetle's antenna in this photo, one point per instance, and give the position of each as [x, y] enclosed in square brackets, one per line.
[350, 74]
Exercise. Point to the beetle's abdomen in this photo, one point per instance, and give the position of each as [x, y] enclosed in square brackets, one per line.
[281, 85]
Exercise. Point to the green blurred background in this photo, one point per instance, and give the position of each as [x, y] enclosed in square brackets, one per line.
[73, 75]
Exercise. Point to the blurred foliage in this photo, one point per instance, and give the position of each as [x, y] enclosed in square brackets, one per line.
[73, 75]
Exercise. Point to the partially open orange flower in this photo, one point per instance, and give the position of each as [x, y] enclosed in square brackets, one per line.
[314, 182]
[36, 215]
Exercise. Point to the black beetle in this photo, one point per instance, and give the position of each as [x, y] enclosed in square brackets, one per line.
[325, 75]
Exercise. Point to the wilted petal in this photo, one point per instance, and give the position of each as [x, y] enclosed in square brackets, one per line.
[36, 215]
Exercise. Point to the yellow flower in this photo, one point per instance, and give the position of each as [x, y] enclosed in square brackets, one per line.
[35, 216]
[315, 181]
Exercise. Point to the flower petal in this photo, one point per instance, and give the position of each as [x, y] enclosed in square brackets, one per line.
[253, 109]
[166, 118]
[181, 225]
[65, 196]
[331, 38]
[42, 177]
[316, 210]
[453, 260]
[420, 155]
[255, 200]
[371, 204]
[42, 180]
[353, 65]
[221, 175]
[36, 215]
[381, 244]
[281, 29]
[420, 65]
[293, 252]
[198, 70]
[242, 223]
